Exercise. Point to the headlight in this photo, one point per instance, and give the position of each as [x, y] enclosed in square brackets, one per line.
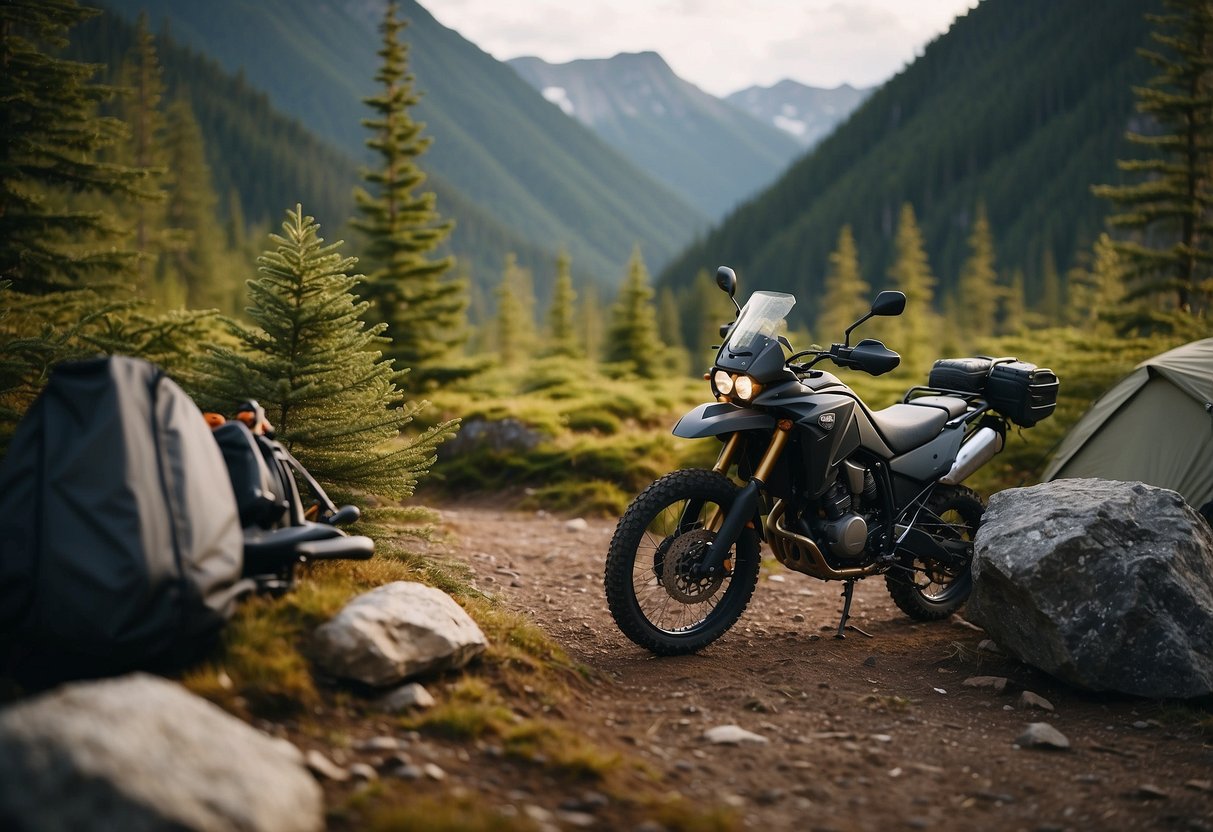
[743, 388]
[723, 382]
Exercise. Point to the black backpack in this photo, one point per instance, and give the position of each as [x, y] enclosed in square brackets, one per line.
[120, 542]
[280, 531]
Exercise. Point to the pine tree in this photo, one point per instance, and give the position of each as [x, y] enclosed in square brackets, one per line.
[669, 327]
[512, 327]
[196, 265]
[1050, 306]
[977, 289]
[916, 329]
[315, 367]
[1014, 306]
[425, 314]
[139, 107]
[1170, 212]
[50, 137]
[632, 337]
[562, 326]
[846, 293]
[589, 320]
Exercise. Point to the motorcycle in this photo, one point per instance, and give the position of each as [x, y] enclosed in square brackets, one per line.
[836, 490]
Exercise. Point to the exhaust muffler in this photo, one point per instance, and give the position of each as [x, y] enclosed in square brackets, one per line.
[976, 451]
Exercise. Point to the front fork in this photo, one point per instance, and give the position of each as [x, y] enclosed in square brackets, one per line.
[745, 506]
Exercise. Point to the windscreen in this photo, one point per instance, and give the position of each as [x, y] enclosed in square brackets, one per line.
[762, 319]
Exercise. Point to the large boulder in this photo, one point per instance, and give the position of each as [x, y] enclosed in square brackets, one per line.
[396, 632]
[1105, 585]
[142, 753]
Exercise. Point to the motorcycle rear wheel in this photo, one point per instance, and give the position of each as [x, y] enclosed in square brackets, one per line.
[927, 590]
[651, 596]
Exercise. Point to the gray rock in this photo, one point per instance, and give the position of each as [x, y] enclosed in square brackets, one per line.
[732, 735]
[996, 683]
[363, 771]
[142, 753]
[395, 632]
[1105, 585]
[577, 524]
[497, 435]
[406, 697]
[1043, 735]
[1027, 699]
[324, 768]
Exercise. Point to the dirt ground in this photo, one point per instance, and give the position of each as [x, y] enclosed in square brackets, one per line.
[876, 732]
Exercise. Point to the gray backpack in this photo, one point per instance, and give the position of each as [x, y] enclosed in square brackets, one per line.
[120, 543]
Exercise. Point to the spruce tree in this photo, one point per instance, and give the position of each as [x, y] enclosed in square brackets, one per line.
[977, 290]
[1014, 306]
[562, 337]
[512, 327]
[316, 368]
[846, 293]
[589, 320]
[200, 264]
[424, 314]
[915, 329]
[1168, 252]
[140, 108]
[50, 139]
[632, 337]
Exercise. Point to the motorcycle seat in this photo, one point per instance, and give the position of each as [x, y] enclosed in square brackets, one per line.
[953, 405]
[906, 426]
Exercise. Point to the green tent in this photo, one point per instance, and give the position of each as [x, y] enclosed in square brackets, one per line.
[1154, 427]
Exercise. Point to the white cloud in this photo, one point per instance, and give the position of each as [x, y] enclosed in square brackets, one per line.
[721, 45]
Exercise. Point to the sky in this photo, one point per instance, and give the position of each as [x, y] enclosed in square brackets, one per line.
[720, 46]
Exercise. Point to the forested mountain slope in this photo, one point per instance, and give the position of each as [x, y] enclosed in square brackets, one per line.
[519, 158]
[263, 162]
[708, 152]
[1022, 104]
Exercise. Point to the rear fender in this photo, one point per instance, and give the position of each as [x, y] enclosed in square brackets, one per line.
[717, 418]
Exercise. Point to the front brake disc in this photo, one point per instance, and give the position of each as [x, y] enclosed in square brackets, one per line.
[684, 552]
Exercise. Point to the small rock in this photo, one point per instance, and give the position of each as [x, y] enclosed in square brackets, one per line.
[870, 661]
[578, 820]
[798, 618]
[412, 695]
[537, 813]
[989, 646]
[1042, 735]
[324, 768]
[732, 735]
[408, 772]
[776, 578]
[380, 744]
[1027, 699]
[363, 771]
[996, 683]
[577, 524]
[433, 771]
[1148, 791]
[1200, 785]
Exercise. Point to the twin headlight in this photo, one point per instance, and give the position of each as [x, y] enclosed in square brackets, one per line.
[740, 388]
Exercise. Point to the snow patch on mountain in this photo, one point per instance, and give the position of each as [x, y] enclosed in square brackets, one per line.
[560, 97]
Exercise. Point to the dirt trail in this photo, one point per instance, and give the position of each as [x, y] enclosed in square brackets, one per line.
[862, 733]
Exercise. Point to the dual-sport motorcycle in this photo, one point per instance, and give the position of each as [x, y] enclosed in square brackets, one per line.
[837, 490]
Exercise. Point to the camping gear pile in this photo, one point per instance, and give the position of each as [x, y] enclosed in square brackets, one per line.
[129, 530]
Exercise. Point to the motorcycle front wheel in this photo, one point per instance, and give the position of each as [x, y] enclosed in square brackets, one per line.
[923, 588]
[664, 532]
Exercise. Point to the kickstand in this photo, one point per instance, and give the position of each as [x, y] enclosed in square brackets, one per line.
[848, 590]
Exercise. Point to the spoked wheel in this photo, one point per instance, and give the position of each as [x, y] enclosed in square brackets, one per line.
[650, 588]
[926, 589]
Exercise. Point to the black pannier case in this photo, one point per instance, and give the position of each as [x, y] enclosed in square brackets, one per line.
[1022, 392]
[965, 375]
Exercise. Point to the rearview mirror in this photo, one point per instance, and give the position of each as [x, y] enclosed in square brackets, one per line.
[726, 279]
[889, 303]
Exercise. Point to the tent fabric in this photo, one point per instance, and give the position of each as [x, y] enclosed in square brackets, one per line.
[1152, 427]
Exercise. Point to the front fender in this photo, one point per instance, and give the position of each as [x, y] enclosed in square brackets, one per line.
[716, 418]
